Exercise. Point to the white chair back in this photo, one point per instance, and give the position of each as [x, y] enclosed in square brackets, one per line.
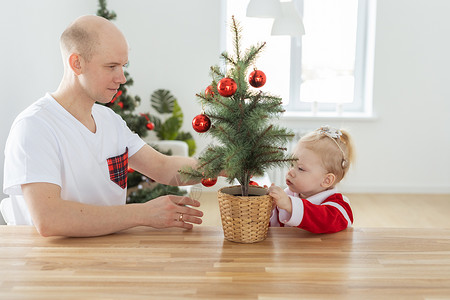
[7, 211]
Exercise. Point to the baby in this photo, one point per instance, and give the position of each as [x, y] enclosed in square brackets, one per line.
[311, 200]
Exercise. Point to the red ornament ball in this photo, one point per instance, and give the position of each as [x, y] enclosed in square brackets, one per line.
[257, 78]
[201, 123]
[209, 91]
[226, 87]
[150, 125]
[209, 181]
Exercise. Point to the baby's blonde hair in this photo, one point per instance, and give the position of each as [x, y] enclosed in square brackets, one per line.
[336, 153]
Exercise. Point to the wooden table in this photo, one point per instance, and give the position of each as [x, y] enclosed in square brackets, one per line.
[145, 263]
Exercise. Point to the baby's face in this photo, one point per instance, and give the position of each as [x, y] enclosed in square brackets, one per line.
[306, 176]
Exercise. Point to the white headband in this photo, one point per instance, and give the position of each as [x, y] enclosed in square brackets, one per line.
[334, 134]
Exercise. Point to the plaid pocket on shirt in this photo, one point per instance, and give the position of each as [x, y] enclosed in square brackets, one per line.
[118, 169]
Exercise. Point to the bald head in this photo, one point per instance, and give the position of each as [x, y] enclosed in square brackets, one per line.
[87, 34]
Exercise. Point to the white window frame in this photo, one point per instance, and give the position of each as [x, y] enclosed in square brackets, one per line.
[362, 102]
[362, 106]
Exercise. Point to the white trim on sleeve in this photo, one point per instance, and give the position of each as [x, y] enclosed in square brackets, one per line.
[342, 211]
[297, 213]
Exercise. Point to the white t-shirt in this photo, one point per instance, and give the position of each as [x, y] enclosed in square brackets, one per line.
[47, 144]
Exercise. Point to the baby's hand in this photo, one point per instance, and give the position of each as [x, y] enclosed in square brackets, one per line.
[282, 200]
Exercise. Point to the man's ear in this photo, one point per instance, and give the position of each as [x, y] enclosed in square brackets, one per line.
[75, 63]
[329, 180]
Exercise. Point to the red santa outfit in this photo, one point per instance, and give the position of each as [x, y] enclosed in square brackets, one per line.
[325, 212]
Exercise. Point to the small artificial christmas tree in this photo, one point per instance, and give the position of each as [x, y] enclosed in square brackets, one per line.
[239, 117]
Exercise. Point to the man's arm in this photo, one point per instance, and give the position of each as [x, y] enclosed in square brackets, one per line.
[54, 216]
[160, 167]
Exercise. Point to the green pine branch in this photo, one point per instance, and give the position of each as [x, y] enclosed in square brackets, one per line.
[236, 30]
[252, 54]
[217, 74]
[227, 58]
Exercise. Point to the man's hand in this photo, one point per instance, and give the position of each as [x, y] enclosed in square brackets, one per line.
[171, 211]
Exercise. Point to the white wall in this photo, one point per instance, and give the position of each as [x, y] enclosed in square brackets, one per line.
[174, 42]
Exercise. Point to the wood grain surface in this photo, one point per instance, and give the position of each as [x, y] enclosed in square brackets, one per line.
[143, 263]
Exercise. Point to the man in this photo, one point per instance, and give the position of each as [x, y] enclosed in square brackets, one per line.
[66, 157]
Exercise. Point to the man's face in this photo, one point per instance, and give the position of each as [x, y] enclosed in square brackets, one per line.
[103, 74]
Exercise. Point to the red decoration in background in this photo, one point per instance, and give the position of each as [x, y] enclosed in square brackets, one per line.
[117, 95]
[130, 170]
[149, 125]
[226, 87]
[253, 183]
[208, 182]
[257, 78]
[201, 123]
[120, 104]
[209, 91]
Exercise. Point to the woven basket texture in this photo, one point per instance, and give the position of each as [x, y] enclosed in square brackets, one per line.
[245, 219]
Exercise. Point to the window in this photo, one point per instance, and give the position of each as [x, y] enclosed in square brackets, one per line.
[326, 72]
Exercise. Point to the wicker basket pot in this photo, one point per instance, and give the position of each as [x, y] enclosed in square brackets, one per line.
[245, 219]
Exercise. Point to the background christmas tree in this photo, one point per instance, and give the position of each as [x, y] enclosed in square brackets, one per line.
[239, 118]
[141, 188]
